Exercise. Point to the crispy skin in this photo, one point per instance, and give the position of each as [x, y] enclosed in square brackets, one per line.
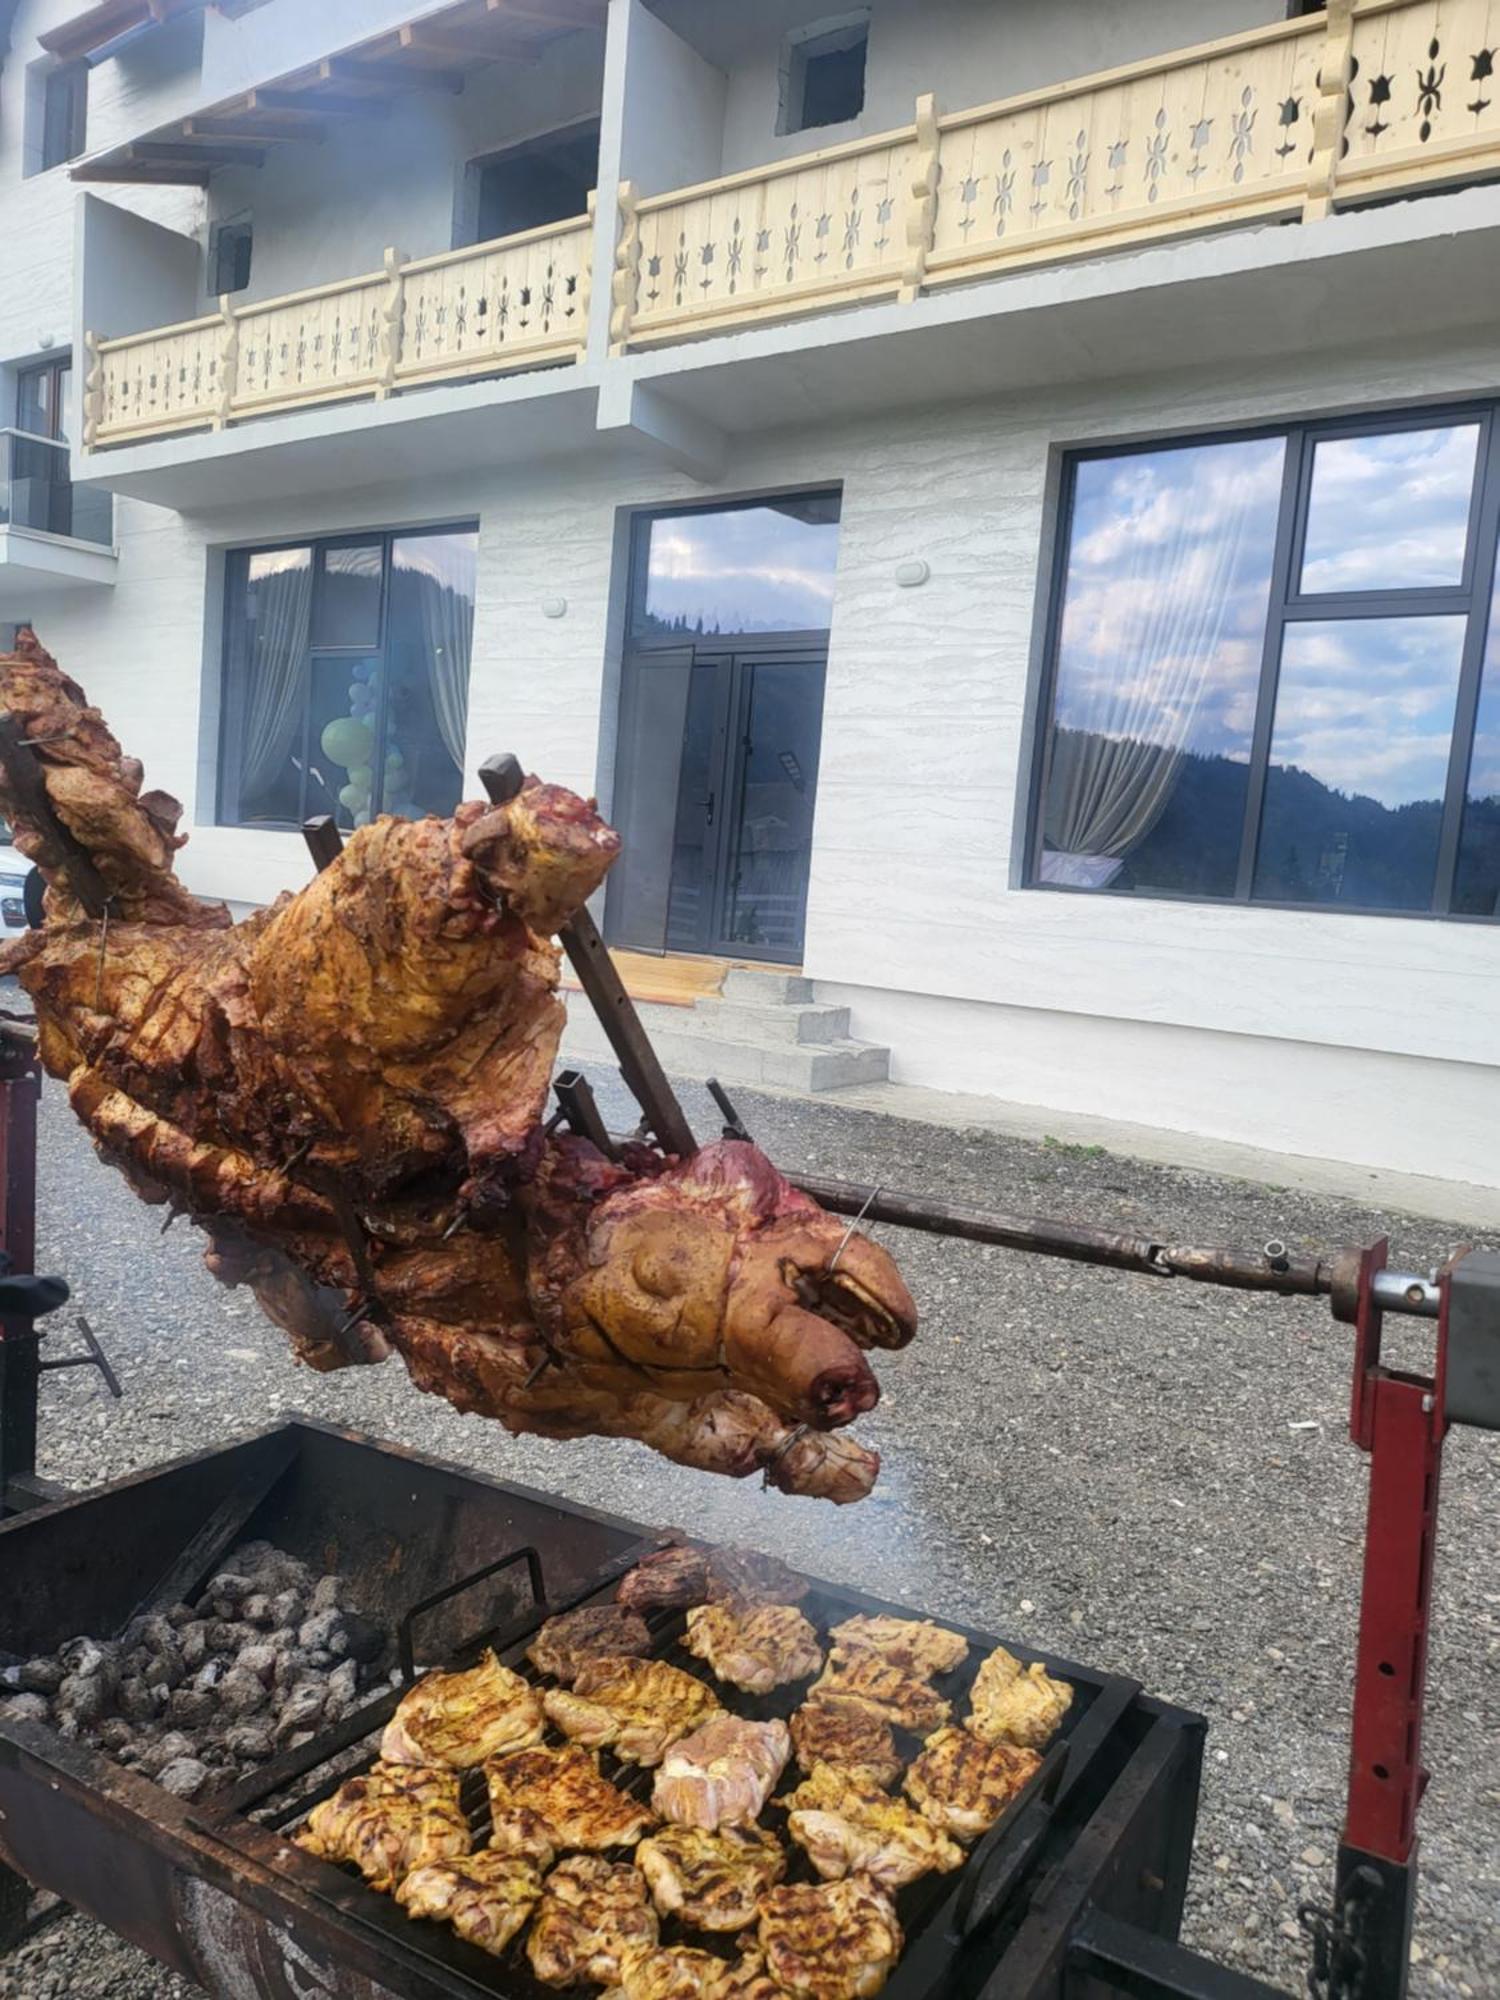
[676, 1972]
[915, 1645]
[593, 1632]
[389, 1820]
[903, 1699]
[461, 1719]
[723, 1773]
[565, 1790]
[850, 1826]
[666, 1580]
[593, 1913]
[963, 1785]
[681, 1576]
[827, 1730]
[756, 1649]
[830, 1941]
[1012, 1704]
[712, 1881]
[634, 1707]
[486, 1897]
[347, 1091]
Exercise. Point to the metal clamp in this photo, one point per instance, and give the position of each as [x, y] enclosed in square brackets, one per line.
[404, 1642]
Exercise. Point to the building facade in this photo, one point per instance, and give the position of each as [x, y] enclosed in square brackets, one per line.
[999, 501]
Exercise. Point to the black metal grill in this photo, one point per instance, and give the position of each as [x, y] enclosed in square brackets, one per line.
[944, 1917]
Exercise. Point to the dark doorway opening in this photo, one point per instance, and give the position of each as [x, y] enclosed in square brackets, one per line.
[544, 180]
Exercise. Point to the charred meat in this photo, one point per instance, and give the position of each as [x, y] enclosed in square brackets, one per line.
[915, 1645]
[1010, 1703]
[831, 1941]
[848, 1825]
[907, 1700]
[829, 1730]
[564, 1789]
[593, 1632]
[963, 1785]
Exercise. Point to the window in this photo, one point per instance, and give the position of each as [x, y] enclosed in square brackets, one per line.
[1275, 671]
[65, 107]
[346, 678]
[764, 567]
[229, 256]
[823, 74]
[526, 187]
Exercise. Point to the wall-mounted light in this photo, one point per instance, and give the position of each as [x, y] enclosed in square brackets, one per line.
[912, 575]
[554, 607]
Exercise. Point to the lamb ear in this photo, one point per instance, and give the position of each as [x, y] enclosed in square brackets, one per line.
[132, 774]
[162, 810]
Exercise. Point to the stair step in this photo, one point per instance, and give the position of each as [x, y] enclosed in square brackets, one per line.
[790, 1065]
[768, 988]
[770, 1027]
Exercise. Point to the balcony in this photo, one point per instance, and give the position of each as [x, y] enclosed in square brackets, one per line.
[518, 302]
[53, 537]
[1281, 123]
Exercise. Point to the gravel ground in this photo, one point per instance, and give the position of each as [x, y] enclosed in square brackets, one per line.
[1099, 1463]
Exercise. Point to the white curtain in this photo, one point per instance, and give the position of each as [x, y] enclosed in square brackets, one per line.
[448, 628]
[1122, 734]
[276, 673]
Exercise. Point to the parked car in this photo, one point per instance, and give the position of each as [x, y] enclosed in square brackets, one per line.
[14, 868]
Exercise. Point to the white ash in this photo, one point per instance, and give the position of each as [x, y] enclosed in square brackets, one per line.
[197, 1696]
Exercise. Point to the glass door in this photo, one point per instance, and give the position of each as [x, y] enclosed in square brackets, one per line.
[773, 777]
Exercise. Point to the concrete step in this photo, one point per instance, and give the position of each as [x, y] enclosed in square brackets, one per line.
[770, 1027]
[684, 1049]
[766, 988]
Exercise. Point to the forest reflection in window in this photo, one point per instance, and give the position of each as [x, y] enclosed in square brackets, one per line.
[1260, 697]
[767, 566]
[346, 678]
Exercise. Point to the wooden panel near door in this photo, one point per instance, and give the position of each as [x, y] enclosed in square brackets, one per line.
[675, 981]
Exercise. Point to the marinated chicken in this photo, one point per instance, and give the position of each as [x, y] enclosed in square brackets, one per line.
[593, 1632]
[756, 1648]
[829, 1940]
[828, 1730]
[676, 1972]
[461, 1719]
[963, 1785]
[748, 1979]
[634, 1707]
[592, 1915]
[389, 1820]
[564, 1789]
[524, 1835]
[348, 1092]
[712, 1881]
[907, 1700]
[915, 1645]
[486, 1897]
[723, 1773]
[679, 1576]
[850, 1826]
[1010, 1703]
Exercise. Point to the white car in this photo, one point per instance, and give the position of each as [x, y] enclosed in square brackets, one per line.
[14, 868]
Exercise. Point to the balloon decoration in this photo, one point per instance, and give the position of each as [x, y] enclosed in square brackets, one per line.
[349, 740]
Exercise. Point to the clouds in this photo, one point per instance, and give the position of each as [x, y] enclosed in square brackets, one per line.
[1390, 512]
[745, 569]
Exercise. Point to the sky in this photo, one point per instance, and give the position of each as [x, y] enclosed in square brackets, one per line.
[747, 569]
[1392, 512]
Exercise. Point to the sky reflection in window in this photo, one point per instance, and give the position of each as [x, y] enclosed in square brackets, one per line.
[1390, 512]
[766, 568]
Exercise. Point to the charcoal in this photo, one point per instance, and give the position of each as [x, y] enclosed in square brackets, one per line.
[289, 1607]
[227, 1635]
[192, 1708]
[84, 1697]
[184, 1777]
[166, 1669]
[320, 1661]
[181, 1614]
[253, 1742]
[328, 1593]
[241, 1692]
[364, 1640]
[39, 1676]
[157, 1635]
[302, 1707]
[324, 1633]
[343, 1684]
[257, 1611]
[135, 1701]
[193, 1644]
[210, 1673]
[231, 1589]
[115, 1735]
[165, 1750]
[299, 1737]
[259, 1660]
[26, 1708]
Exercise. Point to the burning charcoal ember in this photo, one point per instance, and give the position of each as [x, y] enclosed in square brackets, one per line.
[184, 1777]
[191, 1708]
[26, 1708]
[241, 1693]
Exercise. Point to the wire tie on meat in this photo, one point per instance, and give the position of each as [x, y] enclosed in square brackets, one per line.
[297, 1157]
[548, 1360]
[455, 1225]
[855, 1221]
[99, 967]
[793, 1436]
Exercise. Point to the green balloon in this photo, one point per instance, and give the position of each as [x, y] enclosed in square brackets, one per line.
[347, 742]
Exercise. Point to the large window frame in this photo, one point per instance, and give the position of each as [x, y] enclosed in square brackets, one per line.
[1289, 605]
[232, 696]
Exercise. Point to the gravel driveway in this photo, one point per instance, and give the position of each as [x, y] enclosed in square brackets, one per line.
[1115, 1467]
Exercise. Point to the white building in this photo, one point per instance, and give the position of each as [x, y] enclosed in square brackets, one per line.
[999, 499]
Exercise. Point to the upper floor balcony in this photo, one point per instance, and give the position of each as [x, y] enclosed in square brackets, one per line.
[1285, 122]
[53, 536]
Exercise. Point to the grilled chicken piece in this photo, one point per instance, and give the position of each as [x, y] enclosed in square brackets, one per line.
[850, 1826]
[461, 1719]
[524, 1835]
[389, 1820]
[723, 1773]
[596, 1631]
[915, 1645]
[564, 1790]
[636, 1707]
[487, 1898]
[830, 1940]
[1010, 1703]
[676, 1972]
[748, 1979]
[666, 1581]
[828, 1730]
[756, 1649]
[676, 1577]
[713, 1881]
[745, 1576]
[904, 1699]
[963, 1785]
[592, 1915]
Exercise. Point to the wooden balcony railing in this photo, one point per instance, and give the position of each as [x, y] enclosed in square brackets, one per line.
[1373, 97]
[514, 303]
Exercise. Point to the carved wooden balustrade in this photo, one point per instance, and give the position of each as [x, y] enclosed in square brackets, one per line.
[515, 303]
[1373, 97]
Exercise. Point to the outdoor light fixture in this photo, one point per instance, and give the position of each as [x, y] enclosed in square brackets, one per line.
[912, 575]
[554, 607]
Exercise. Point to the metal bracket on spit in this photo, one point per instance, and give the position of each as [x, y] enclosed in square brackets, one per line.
[502, 778]
[581, 1113]
[94, 1358]
[734, 1125]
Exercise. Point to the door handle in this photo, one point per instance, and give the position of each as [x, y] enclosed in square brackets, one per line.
[708, 807]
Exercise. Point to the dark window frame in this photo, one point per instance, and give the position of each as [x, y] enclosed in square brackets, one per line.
[231, 697]
[643, 519]
[234, 236]
[73, 115]
[1288, 605]
[839, 36]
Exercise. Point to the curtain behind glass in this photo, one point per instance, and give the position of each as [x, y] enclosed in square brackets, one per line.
[278, 601]
[432, 617]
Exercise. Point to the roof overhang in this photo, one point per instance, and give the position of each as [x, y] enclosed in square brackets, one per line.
[433, 51]
[87, 34]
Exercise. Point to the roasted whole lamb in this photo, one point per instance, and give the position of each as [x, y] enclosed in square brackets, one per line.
[347, 1091]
